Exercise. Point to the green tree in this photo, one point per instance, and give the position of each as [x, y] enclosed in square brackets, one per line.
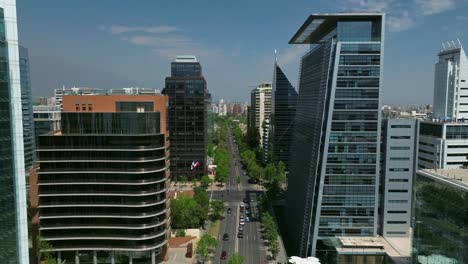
[236, 258]
[44, 251]
[206, 244]
[183, 179]
[210, 151]
[218, 209]
[203, 201]
[185, 213]
[205, 181]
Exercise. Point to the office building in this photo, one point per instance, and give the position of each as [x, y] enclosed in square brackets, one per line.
[399, 162]
[46, 119]
[333, 186]
[187, 117]
[102, 180]
[443, 145]
[13, 214]
[26, 103]
[441, 209]
[283, 115]
[59, 93]
[451, 83]
[260, 107]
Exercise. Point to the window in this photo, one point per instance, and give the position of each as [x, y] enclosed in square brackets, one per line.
[396, 233]
[398, 191]
[400, 126]
[398, 180]
[400, 137]
[397, 212]
[398, 169]
[397, 201]
[396, 222]
[399, 158]
[399, 148]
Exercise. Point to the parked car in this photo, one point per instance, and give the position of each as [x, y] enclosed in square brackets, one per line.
[229, 211]
[224, 254]
[247, 219]
[242, 222]
[241, 228]
[225, 237]
[240, 235]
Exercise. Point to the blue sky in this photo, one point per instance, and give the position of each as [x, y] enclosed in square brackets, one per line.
[112, 43]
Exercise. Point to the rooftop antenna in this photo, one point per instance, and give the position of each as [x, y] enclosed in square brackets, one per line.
[443, 46]
[459, 42]
[276, 57]
[448, 44]
[453, 42]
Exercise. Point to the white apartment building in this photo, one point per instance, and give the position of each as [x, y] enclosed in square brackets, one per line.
[451, 83]
[261, 106]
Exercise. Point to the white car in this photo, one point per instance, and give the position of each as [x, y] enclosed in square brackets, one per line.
[242, 223]
[241, 228]
[247, 219]
[241, 204]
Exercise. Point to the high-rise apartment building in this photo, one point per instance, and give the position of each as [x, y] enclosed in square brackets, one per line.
[443, 145]
[26, 102]
[283, 114]
[399, 152]
[46, 119]
[102, 180]
[260, 107]
[13, 216]
[333, 186]
[187, 117]
[451, 83]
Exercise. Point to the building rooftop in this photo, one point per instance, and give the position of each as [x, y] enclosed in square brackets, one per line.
[186, 58]
[319, 25]
[456, 177]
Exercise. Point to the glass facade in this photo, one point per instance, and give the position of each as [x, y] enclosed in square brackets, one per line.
[285, 100]
[13, 218]
[441, 228]
[335, 157]
[187, 118]
[102, 187]
[26, 102]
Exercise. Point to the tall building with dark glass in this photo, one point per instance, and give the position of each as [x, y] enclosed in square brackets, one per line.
[284, 110]
[27, 109]
[333, 185]
[187, 117]
[102, 180]
[13, 216]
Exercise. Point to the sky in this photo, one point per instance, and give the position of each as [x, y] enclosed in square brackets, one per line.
[124, 43]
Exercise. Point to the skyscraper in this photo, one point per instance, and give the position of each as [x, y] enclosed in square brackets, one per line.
[283, 112]
[260, 107]
[102, 180]
[26, 102]
[451, 83]
[13, 218]
[334, 176]
[187, 117]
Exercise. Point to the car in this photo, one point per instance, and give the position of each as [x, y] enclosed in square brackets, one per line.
[242, 222]
[241, 228]
[224, 254]
[240, 235]
[247, 211]
[241, 217]
[245, 200]
[242, 204]
[225, 237]
[247, 219]
[252, 200]
[229, 211]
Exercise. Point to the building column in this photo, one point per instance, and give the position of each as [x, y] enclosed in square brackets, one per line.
[153, 256]
[77, 257]
[59, 257]
[130, 258]
[95, 257]
[112, 257]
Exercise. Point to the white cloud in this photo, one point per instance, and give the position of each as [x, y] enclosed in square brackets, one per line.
[402, 22]
[367, 5]
[292, 54]
[430, 7]
[126, 29]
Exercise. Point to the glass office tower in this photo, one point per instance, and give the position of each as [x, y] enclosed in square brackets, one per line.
[26, 102]
[13, 218]
[284, 109]
[187, 116]
[334, 177]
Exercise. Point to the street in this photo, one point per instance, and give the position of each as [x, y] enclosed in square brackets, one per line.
[251, 246]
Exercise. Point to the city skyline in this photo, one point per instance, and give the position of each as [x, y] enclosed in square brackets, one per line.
[130, 50]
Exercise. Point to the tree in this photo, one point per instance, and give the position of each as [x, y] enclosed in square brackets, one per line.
[183, 179]
[44, 251]
[274, 248]
[218, 209]
[210, 150]
[205, 181]
[236, 258]
[203, 201]
[270, 173]
[206, 244]
[185, 213]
